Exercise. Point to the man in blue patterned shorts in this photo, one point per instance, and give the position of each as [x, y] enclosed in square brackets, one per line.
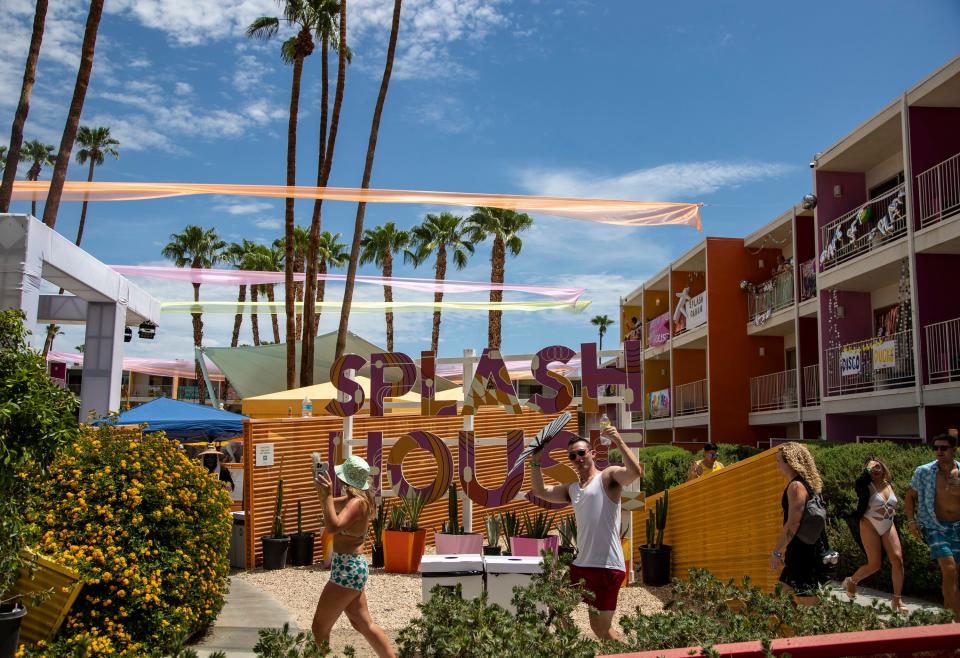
[932, 506]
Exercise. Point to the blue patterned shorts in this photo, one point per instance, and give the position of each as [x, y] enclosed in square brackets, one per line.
[944, 544]
[349, 570]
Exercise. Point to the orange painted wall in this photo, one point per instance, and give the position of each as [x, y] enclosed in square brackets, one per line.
[695, 281]
[689, 365]
[652, 437]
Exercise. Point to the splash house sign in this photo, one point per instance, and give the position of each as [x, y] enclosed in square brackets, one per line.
[491, 386]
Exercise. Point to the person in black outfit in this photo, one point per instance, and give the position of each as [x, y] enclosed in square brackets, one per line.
[211, 458]
[803, 568]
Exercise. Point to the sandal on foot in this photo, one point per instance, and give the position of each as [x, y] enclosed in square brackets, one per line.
[851, 588]
[897, 605]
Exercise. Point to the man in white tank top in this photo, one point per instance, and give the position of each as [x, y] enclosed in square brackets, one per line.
[599, 565]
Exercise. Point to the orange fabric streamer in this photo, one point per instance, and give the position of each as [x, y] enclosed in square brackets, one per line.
[604, 211]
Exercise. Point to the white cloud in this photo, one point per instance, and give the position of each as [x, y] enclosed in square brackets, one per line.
[268, 224]
[243, 207]
[666, 182]
[182, 89]
[445, 114]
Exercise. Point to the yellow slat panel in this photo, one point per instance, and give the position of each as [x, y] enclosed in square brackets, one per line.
[43, 620]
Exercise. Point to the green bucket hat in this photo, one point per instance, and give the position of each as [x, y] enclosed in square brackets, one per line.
[354, 471]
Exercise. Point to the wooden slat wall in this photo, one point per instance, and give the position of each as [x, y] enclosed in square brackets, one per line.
[295, 438]
[726, 522]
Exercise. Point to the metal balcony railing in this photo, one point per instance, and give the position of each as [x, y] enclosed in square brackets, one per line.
[690, 398]
[808, 280]
[871, 365]
[811, 385]
[863, 229]
[938, 191]
[774, 391]
[943, 351]
[144, 392]
[769, 297]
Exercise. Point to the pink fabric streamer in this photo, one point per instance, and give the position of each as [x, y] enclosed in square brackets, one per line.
[158, 367]
[247, 278]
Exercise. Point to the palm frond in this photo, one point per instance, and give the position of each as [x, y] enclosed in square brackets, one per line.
[264, 27]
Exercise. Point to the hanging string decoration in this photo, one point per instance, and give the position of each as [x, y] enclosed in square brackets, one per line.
[885, 227]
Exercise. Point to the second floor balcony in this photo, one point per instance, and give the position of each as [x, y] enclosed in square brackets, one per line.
[811, 385]
[938, 191]
[770, 296]
[943, 351]
[774, 391]
[691, 398]
[808, 280]
[869, 365]
[864, 229]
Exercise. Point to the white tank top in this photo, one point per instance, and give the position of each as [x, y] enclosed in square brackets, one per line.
[598, 526]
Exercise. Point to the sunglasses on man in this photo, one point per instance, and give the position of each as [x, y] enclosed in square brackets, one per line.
[573, 454]
[939, 447]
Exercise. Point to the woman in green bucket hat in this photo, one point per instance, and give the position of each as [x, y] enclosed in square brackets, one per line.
[347, 518]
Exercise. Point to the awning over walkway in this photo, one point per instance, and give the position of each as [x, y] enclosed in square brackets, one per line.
[183, 420]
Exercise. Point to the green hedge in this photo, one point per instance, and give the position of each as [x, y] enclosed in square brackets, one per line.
[666, 466]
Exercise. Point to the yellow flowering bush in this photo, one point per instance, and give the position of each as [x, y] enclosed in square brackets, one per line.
[148, 530]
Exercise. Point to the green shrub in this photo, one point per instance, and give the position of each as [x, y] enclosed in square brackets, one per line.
[666, 466]
[37, 418]
[147, 529]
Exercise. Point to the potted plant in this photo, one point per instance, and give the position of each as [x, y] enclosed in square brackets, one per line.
[493, 535]
[452, 539]
[567, 527]
[403, 548]
[510, 524]
[275, 545]
[378, 523]
[536, 535]
[301, 543]
[655, 555]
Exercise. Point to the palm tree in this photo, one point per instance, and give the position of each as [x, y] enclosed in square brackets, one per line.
[505, 227]
[602, 322]
[53, 331]
[198, 248]
[301, 239]
[52, 205]
[23, 107]
[365, 183]
[95, 145]
[302, 15]
[378, 246]
[3, 158]
[267, 259]
[328, 39]
[330, 253]
[234, 254]
[440, 233]
[41, 155]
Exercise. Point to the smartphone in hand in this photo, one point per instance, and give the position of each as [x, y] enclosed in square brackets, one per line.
[319, 466]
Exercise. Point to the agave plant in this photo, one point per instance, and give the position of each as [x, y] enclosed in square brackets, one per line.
[567, 527]
[378, 523]
[537, 526]
[413, 504]
[397, 516]
[510, 523]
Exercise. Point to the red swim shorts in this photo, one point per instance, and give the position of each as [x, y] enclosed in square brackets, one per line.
[604, 584]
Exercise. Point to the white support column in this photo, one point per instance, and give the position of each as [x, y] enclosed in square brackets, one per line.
[102, 359]
[468, 355]
[347, 422]
[21, 264]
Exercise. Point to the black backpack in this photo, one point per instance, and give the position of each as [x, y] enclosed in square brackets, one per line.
[814, 518]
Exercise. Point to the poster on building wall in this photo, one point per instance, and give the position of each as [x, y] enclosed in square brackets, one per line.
[697, 310]
[849, 362]
[658, 330]
[884, 355]
[658, 403]
[58, 373]
[631, 325]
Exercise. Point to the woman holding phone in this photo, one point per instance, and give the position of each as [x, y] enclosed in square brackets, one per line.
[347, 519]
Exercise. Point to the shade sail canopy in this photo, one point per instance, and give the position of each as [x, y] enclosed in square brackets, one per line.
[260, 370]
[284, 403]
[183, 420]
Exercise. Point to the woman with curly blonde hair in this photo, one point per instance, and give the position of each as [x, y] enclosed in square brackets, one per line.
[803, 569]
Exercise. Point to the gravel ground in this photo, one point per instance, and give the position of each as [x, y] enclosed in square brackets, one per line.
[393, 600]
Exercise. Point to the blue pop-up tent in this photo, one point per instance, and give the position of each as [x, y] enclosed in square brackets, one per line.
[183, 420]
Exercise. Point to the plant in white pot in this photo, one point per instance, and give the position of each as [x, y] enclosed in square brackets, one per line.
[453, 540]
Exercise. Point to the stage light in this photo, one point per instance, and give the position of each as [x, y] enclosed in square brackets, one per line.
[127, 335]
[148, 330]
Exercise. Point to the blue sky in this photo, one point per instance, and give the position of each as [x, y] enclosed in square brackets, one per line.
[722, 103]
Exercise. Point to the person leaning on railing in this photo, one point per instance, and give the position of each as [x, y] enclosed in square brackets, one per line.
[708, 464]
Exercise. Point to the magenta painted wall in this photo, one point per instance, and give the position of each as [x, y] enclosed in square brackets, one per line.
[808, 341]
[857, 323]
[934, 137]
[854, 194]
[940, 419]
[845, 427]
[936, 301]
[806, 246]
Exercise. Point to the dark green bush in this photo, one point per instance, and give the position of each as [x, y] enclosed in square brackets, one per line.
[666, 466]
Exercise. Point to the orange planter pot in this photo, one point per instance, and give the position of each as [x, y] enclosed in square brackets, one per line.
[402, 550]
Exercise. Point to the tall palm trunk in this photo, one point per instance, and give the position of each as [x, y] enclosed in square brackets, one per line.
[254, 323]
[327, 145]
[48, 343]
[198, 342]
[321, 288]
[367, 170]
[52, 205]
[303, 48]
[388, 296]
[497, 260]
[273, 315]
[238, 318]
[32, 174]
[23, 107]
[83, 208]
[298, 290]
[438, 297]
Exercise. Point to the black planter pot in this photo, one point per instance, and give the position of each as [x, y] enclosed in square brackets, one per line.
[275, 552]
[301, 549]
[10, 618]
[655, 565]
[491, 550]
[377, 556]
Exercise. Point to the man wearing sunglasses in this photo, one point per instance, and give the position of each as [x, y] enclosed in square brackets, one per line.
[708, 464]
[595, 498]
[932, 507]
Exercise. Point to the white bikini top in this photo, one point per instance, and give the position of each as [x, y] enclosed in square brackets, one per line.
[881, 508]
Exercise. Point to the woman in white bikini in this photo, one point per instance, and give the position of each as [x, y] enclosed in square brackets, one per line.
[876, 504]
[347, 518]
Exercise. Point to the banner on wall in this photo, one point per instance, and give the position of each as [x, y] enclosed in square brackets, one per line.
[658, 403]
[697, 310]
[658, 331]
[849, 362]
[884, 355]
[631, 325]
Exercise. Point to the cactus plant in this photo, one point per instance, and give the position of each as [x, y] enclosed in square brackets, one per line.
[657, 522]
[452, 526]
[493, 530]
[278, 512]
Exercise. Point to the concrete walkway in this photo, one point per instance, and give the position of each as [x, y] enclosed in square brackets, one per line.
[866, 596]
[247, 610]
